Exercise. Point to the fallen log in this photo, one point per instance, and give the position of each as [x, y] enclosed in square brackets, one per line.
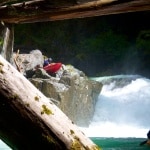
[29, 120]
[45, 10]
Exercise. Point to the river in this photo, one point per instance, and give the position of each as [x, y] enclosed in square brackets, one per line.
[122, 112]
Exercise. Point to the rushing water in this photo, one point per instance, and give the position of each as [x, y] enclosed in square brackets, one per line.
[122, 109]
[121, 120]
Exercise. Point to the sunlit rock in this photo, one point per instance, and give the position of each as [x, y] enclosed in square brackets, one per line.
[69, 88]
[73, 92]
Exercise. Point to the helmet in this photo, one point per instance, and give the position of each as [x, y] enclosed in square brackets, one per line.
[50, 60]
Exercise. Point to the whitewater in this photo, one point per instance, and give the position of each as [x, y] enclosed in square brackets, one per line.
[122, 109]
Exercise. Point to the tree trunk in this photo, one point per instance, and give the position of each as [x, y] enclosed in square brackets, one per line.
[7, 41]
[28, 120]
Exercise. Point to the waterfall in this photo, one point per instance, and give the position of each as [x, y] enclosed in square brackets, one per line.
[122, 109]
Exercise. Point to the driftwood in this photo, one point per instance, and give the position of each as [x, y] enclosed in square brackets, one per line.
[18, 66]
[28, 120]
[46, 10]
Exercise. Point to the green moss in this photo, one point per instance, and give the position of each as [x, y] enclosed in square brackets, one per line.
[1, 41]
[94, 148]
[49, 139]
[36, 98]
[46, 110]
[1, 71]
[77, 138]
[1, 67]
[1, 64]
[27, 104]
[76, 145]
[14, 97]
[71, 131]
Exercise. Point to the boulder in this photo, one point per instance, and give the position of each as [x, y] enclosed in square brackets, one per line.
[27, 63]
[70, 89]
[73, 92]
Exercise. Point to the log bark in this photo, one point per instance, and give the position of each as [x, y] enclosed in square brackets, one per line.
[40, 10]
[28, 120]
[7, 36]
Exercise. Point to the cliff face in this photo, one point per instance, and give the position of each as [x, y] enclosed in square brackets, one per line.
[70, 89]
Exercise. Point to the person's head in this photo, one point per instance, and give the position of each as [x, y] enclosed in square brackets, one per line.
[50, 60]
[148, 134]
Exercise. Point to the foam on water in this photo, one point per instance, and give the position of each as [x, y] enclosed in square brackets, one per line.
[122, 111]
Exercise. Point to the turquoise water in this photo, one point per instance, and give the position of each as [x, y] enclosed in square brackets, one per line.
[122, 109]
[121, 112]
[120, 143]
[109, 144]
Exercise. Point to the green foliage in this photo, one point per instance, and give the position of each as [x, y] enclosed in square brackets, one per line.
[107, 43]
[64, 38]
[97, 45]
[143, 47]
[143, 41]
[52, 38]
[81, 56]
[1, 41]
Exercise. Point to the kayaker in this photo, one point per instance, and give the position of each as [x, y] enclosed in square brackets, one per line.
[47, 62]
[148, 134]
[147, 141]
